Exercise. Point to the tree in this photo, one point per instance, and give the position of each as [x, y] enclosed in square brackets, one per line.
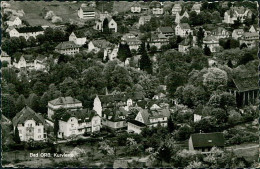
[184, 20]
[105, 26]
[214, 79]
[16, 136]
[20, 103]
[145, 61]
[124, 52]
[170, 125]
[56, 127]
[247, 57]
[207, 50]
[33, 101]
[200, 36]
[31, 41]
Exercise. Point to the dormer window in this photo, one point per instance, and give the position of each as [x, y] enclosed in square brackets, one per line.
[210, 141]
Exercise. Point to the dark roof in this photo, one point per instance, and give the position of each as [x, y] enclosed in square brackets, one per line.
[66, 45]
[137, 123]
[200, 140]
[184, 26]
[27, 114]
[78, 34]
[29, 29]
[84, 115]
[101, 43]
[115, 113]
[64, 100]
[167, 29]
[246, 83]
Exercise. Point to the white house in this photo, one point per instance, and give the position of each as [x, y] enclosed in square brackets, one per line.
[114, 118]
[67, 48]
[26, 32]
[78, 122]
[14, 21]
[112, 25]
[86, 12]
[25, 62]
[220, 32]
[40, 63]
[183, 29]
[144, 19]
[250, 39]
[158, 40]
[176, 9]
[78, 40]
[148, 118]
[132, 40]
[196, 7]
[178, 17]
[97, 45]
[236, 13]
[184, 46]
[254, 28]
[204, 142]
[136, 8]
[110, 53]
[30, 125]
[212, 42]
[157, 8]
[237, 33]
[68, 103]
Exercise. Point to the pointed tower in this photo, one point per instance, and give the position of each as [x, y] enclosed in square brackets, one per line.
[177, 18]
[97, 106]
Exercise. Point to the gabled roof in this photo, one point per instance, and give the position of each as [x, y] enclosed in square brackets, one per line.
[148, 17]
[27, 114]
[13, 18]
[64, 100]
[200, 140]
[185, 42]
[77, 34]
[88, 9]
[184, 25]
[196, 6]
[66, 45]
[166, 29]
[177, 6]
[145, 115]
[210, 38]
[29, 29]
[83, 115]
[250, 34]
[136, 4]
[219, 30]
[246, 83]
[114, 114]
[238, 31]
[40, 58]
[101, 43]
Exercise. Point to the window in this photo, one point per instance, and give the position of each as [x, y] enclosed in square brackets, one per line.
[72, 125]
[39, 130]
[39, 136]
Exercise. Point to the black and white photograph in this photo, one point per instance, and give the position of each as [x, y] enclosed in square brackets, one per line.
[130, 84]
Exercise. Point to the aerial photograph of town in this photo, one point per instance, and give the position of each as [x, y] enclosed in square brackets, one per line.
[130, 84]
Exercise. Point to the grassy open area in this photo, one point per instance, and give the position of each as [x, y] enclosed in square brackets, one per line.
[250, 151]
[34, 10]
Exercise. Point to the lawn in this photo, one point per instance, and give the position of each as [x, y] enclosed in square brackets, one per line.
[249, 151]
[34, 11]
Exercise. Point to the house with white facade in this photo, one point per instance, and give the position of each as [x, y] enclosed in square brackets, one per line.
[25, 62]
[77, 39]
[148, 118]
[212, 42]
[67, 103]
[144, 19]
[114, 118]
[132, 40]
[26, 32]
[167, 31]
[176, 9]
[136, 8]
[254, 28]
[110, 53]
[183, 30]
[196, 7]
[236, 13]
[250, 39]
[78, 122]
[112, 25]
[237, 33]
[67, 48]
[184, 46]
[204, 142]
[158, 40]
[220, 32]
[157, 8]
[178, 17]
[99, 44]
[14, 21]
[86, 12]
[40, 63]
[30, 125]
[197, 117]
